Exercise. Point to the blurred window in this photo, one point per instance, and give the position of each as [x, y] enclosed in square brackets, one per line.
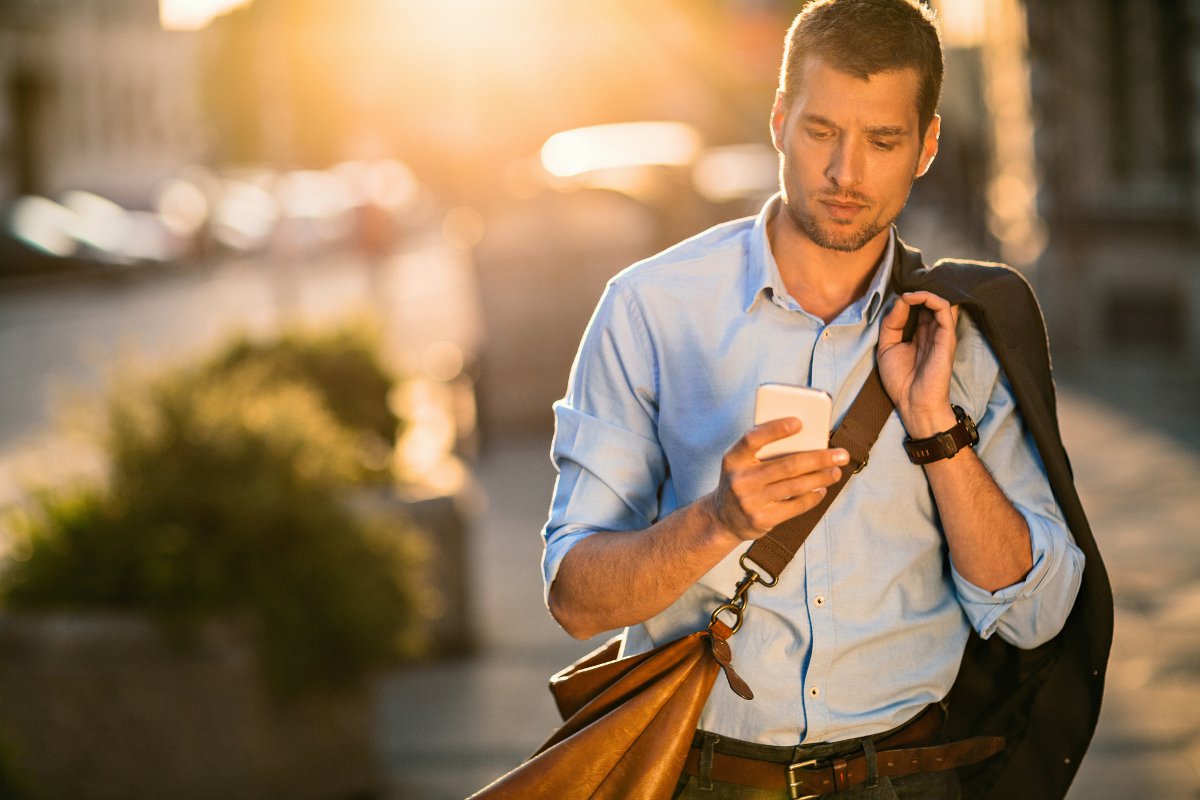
[1149, 100]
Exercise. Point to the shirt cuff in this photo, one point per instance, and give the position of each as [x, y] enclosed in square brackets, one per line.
[984, 608]
[555, 551]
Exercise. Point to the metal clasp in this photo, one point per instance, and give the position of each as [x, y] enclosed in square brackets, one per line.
[794, 784]
[742, 562]
[738, 603]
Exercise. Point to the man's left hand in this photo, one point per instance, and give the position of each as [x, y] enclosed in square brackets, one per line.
[916, 374]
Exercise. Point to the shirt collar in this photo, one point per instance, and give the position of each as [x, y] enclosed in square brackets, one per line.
[763, 279]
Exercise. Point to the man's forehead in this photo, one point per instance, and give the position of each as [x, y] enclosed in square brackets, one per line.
[885, 100]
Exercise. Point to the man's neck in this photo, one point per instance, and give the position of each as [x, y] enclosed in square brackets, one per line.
[824, 282]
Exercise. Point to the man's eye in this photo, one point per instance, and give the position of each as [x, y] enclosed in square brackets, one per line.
[884, 145]
[819, 134]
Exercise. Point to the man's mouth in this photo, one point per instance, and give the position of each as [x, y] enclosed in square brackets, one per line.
[842, 208]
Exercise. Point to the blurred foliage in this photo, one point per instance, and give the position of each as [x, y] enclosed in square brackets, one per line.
[228, 497]
[342, 365]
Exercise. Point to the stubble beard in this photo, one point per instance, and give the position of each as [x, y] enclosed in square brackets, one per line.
[848, 242]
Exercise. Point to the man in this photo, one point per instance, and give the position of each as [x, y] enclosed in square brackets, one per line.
[659, 489]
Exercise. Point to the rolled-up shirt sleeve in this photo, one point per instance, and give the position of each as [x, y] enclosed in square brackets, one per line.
[1032, 611]
[605, 449]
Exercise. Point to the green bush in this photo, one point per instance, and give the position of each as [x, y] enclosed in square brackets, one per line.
[342, 366]
[227, 497]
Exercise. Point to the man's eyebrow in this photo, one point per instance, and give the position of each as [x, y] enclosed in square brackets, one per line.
[874, 130]
[817, 119]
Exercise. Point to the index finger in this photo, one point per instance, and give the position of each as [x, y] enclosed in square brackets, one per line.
[939, 307]
[930, 300]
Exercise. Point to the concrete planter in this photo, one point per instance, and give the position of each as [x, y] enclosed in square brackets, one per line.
[444, 521]
[101, 706]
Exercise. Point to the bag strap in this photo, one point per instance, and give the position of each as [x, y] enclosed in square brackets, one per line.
[857, 432]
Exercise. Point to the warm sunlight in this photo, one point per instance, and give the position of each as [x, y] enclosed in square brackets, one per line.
[192, 15]
[964, 22]
[628, 144]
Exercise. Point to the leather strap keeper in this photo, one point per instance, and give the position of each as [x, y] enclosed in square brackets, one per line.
[899, 754]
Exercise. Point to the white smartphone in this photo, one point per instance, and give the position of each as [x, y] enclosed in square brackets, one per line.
[813, 407]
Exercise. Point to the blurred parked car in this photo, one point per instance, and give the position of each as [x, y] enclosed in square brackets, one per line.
[364, 204]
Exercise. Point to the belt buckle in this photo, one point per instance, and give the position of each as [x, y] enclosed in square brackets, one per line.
[794, 785]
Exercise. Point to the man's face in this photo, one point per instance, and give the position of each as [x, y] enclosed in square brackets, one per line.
[850, 150]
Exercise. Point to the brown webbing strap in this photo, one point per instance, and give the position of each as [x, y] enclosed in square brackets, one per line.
[856, 434]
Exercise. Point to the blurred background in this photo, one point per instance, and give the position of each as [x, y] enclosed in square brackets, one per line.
[355, 244]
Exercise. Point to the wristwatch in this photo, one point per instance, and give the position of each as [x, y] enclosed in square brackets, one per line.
[945, 444]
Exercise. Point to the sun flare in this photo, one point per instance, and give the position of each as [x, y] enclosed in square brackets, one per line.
[192, 15]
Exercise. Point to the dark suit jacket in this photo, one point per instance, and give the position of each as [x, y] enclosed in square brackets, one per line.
[1045, 701]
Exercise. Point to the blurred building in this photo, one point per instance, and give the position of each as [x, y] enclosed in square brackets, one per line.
[94, 95]
[1115, 85]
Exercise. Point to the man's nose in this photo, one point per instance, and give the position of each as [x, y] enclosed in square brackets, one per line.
[845, 164]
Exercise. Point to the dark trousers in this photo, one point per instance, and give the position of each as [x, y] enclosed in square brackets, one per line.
[924, 786]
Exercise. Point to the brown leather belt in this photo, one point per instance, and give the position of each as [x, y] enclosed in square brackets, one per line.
[905, 751]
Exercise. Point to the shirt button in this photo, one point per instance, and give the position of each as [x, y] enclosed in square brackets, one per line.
[819, 601]
[813, 692]
[825, 335]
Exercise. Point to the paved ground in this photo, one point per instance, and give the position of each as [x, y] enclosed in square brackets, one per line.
[448, 728]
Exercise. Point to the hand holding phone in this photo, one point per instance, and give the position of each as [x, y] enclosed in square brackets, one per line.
[813, 407]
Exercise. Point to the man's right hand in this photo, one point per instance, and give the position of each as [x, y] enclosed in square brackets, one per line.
[754, 496]
[613, 579]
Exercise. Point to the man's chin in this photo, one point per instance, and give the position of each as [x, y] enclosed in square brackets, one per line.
[845, 238]
[843, 241]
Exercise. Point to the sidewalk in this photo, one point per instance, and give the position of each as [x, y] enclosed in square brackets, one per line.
[1139, 483]
[446, 729]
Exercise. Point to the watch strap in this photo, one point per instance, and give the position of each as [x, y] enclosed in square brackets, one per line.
[945, 444]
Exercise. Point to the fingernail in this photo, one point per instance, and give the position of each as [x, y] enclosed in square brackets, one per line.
[841, 457]
[821, 491]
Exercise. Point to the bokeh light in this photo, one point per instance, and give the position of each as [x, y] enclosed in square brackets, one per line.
[191, 15]
[631, 144]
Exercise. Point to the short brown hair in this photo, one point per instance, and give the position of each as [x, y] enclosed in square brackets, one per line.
[863, 37]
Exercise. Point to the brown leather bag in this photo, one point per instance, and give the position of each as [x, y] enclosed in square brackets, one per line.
[629, 722]
[631, 737]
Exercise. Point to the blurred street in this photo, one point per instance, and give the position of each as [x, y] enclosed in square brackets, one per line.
[447, 729]
[62, 341]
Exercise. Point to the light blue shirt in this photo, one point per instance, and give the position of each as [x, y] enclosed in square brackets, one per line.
[868, 623]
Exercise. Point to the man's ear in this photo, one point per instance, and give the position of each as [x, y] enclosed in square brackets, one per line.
[778, 117]
[929, 145]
